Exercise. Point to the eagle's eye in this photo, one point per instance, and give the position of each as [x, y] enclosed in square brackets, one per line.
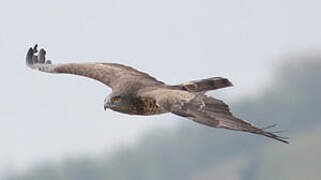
[116, 99]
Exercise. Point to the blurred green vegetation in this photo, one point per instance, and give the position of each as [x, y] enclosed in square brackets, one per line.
[197, 152]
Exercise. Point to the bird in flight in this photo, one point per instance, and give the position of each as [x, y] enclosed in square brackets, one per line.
[137, 93]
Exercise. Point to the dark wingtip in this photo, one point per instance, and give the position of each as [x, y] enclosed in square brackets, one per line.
[276, 137]
[29, 56]
[35, 48]
[273, 134]
[282, 139]
[32, 58]
[42, 56]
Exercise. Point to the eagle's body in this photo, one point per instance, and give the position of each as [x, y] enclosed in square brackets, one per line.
[150, 107]
[140, 106]
[137, 93]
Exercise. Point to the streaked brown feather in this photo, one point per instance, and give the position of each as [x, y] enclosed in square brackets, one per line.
[150, 107]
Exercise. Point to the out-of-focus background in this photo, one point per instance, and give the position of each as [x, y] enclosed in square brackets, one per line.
[54, 127]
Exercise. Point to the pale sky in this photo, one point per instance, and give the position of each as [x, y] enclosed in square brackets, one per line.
[48, 117]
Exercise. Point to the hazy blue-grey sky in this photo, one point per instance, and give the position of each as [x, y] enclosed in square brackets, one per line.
[46, 117]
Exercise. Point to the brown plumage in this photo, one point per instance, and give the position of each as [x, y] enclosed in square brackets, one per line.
[137, 93]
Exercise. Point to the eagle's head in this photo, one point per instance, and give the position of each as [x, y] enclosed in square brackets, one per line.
[120, 103]
[112, 102]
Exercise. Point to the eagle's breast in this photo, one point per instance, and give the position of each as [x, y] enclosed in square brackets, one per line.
[150, 107]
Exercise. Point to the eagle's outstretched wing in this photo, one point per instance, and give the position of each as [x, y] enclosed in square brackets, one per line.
[205, 110]
[110, 74]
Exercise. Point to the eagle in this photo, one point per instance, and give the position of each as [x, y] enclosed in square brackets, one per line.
[137, 93]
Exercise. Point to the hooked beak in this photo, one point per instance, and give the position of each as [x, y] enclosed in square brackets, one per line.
[106, 106]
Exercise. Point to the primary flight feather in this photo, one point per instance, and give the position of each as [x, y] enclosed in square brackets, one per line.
[137, 93]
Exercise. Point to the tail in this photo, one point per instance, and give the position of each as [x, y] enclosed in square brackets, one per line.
[204, 85]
